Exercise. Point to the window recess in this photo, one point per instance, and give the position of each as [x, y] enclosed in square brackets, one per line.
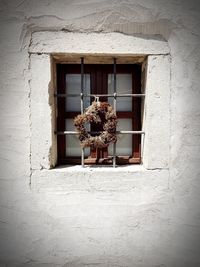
[77, 87]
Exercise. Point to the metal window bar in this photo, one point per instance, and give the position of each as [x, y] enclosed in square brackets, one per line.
[82, 84]
[114, 105]
[97, 132]
[99, 95]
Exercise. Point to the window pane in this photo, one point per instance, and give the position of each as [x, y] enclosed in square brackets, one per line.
[124, 141]
[124, 86]
[72, 143]
[73, 86]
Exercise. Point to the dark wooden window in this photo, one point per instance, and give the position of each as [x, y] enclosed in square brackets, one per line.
[98, 79]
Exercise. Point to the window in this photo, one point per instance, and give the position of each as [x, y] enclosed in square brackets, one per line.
[46, 57]
[101, 80]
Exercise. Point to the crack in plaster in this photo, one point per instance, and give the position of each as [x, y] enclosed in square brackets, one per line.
[101, 24]
[45, 16]
[21, 3]
[30, 122]
[170, 120]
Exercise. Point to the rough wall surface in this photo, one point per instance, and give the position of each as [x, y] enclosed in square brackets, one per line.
[53, 218]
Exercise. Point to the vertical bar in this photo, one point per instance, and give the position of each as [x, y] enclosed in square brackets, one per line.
[114, 106]
[82, 157]
[115, 86]
[82, 84]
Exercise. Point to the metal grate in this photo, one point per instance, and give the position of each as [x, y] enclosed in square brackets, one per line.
[115, 95]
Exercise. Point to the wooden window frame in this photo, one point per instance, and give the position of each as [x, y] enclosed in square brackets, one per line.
[98, 85]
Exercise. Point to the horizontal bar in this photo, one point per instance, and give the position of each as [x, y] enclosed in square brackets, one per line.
[130, 132]
[117, 132]
[102, 95]
[132, 95]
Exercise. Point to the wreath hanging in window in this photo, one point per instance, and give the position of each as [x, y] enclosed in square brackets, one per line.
[100, 113]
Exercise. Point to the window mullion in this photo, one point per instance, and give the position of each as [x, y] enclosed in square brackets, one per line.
[136, 103]
[61, 85]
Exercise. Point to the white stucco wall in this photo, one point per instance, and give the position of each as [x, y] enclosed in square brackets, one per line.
[103, 217]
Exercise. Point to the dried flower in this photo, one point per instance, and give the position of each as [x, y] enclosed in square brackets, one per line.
[97, 112]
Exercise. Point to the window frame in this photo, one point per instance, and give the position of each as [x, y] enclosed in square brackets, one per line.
[99, 74]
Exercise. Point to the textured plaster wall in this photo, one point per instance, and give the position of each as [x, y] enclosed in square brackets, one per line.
[137, 218]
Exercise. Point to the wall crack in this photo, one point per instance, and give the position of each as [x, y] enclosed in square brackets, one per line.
[30, 119]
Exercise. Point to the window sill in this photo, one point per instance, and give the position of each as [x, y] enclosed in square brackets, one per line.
[99, 168]
[78, 180]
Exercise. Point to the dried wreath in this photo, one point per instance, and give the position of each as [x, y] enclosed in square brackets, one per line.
[99, 113]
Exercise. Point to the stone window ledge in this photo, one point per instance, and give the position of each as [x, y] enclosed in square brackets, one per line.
[100, 168]
[76, 180]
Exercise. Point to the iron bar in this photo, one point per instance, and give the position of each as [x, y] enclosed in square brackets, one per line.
[99, 95]
[130, 132]
[114, 105]
[82, 83]
[82, 110]
[133, 95]
[97, 132]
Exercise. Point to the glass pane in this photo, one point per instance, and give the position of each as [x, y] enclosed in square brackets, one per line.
[73, 86]
[72, 143]
[124, 141]
[124, 86]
